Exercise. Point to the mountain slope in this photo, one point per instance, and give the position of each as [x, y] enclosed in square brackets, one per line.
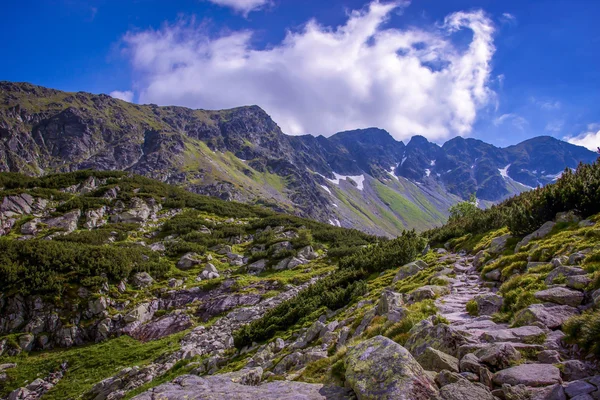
[363, 179]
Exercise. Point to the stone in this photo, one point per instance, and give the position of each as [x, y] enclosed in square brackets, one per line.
[560, 295]
[294, 262]
[465, 390]
[141, 313]
[142, 280]
[533, 375]
[281, 247]
[567, 216]
[66, 222]
[521, 334]
[577, 388]
[391, 305]
[434, 360]
[428, 292]
[30, 227]
[410, 269]
[95, 218]
[499, 355]
[162, 327]
[578, 282]
[493, 275]
[445, 377]
[470, 363]
[548, 357]
[489, 303]
[97, 306]
[26, 342]
[564, 272]
[541, 232]
[550, 315]
[308, 253]
[498, 245]
[478, 260]
[209, 272]
[380, 368]
[573, 370]
[441, 337]
[257, 267]
[159, 247]
[227, 387]
[188, 261]
[586, 223]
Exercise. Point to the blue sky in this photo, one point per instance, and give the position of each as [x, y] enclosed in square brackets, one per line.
[500, 71]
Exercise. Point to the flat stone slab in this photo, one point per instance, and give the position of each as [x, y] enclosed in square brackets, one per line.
[221, 387]
[533, 375]
[521, 334]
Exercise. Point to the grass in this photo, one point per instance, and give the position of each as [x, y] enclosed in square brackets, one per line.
[87, 365]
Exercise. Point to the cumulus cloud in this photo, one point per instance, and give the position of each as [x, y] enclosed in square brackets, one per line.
[590, 139]
[516, 120]
[126, 95]
[555, 126]
[242, 6]
[321, 79]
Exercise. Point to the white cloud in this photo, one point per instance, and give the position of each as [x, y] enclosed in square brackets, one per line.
[242, 6]
[508, 18]
[547, 105]
[516, 120]
[555, 126]
[126, 95]
[591, 140]
[322, 80]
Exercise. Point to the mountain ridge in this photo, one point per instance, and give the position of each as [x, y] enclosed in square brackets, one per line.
[361, 178]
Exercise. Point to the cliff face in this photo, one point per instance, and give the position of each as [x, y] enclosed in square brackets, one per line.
[363, 179]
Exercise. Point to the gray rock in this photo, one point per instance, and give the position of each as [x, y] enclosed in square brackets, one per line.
[521, 334]
[379, 368]
[478, 260]
[577, 388]
[563, 271]
[441, 337]
[533, 375]
[489, 303]
[428, 292]
[66, 222]
[26, 342]
[142, 280]
[573, 370]
[294, 262]
[308, 253]
[159, 247]
[586, 223]
[209, 272]
[541, 232]
[188, 261]
[161, 327]
[499, 355]
[279, 248]
[551, 315]
[225, 387]
[444, 378]
[410, 269]
[578, 282]
[434, 360]
[95, 218]
[567, 216]
[498, 245]
[560, 295]
[493, 275]
[391, 305]
[30, 227]
[548, 357]
[465, 390]
[257, 267]
[98, 305]
[470, 363]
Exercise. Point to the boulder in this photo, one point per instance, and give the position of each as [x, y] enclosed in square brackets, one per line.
[279, 248]
[548, 357]
[499, 355]
[586, 223]
[521, 334]
[140, 314]
[95, 218]
[142, 280]
[560, 295]
[478, 260]
[441, 337]
[428, 292]
[159, 247]
[541, 232]
[390, 305]
[533, 375]
[230, 386]
[465, 390]
[66, 222]
[578, 282]
[498, 245]
[489, 303]
[161, 327]
[578, 388]
[410, 269]
[30, 227]
[308, 253]
[562, 271]
[551, 315]
[434, 360]
[567, 216]
[209, 272]
[380, 368]
[574, 369]
[26, 342]
[257, 267]
[294, 262]
[493, 275]
[444, 378]
[97, 306]
[188, 261]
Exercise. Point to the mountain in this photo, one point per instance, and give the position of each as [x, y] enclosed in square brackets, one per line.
[361, 179]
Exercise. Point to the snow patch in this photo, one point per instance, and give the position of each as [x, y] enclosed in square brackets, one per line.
[427, 172]
[335, 205]
[335, 222]
[403, 159]
[554, 177]
[504, 171]
[392, 171]
[326, 189]
[359, 179]
[432, 163]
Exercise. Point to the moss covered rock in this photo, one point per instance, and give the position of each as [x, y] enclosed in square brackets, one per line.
[381, 369]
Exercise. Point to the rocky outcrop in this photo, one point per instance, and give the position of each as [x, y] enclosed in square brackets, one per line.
[379, 368]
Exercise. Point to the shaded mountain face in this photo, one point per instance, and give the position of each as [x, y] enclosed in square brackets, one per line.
[363, 179]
